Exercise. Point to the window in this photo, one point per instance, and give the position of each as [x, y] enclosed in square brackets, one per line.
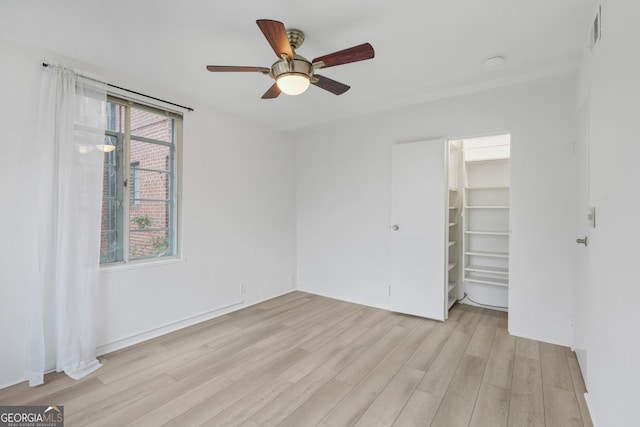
[142, 168]
[134, 183]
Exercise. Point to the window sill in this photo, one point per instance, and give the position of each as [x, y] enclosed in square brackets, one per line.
[134, 265]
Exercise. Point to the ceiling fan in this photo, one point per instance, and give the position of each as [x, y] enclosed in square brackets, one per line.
[293, 73]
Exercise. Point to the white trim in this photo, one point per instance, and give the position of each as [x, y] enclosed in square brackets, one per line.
[175, 326]
[162, 330]
[428, 95]
[359, 302]
[12, 383]
[590, 409]
[144, 263]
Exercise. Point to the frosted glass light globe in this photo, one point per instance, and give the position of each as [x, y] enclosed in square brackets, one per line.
[292, 84]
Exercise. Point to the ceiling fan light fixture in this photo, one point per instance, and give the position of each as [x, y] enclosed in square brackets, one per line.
[294, 73]
[293, 83]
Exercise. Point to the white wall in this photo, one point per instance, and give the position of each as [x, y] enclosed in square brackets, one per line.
[343, 196]
[18, 262]
[611, 79]
[238, 216]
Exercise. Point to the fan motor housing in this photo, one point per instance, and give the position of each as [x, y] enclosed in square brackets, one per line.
[295, 37]
[297, 65]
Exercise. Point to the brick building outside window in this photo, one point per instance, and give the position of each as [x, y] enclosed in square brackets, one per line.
[140, 183]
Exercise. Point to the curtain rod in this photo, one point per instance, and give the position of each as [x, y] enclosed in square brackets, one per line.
[44, 64]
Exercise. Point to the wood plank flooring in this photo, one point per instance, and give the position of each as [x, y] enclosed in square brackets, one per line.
[306, 360]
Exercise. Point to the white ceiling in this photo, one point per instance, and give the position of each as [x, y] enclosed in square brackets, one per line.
[425, 49]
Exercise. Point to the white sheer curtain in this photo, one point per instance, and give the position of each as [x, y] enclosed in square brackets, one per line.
[71, 124]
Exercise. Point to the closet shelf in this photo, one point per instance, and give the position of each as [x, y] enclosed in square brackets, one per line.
[488, 254]
[488, 187]
[494, 160]
[488, 207]
[486, 280]
[451, 286]
[487, 269]
[452, 300]
[487, 233]
[452, 265]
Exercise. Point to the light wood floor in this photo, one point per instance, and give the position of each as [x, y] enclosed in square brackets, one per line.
[306, 360]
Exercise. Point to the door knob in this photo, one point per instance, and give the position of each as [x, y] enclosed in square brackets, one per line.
[582, 241]
[395, 227]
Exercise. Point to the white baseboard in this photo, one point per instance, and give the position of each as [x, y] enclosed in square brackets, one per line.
[344, 299]
[160, 330]
[590, 409]
[175, 326]
[165, 329]
[11, 383]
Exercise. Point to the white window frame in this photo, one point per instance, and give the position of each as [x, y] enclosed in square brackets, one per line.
[123, 256]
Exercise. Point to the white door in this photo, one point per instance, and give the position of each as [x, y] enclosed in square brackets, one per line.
[581, 290]
[418, 221]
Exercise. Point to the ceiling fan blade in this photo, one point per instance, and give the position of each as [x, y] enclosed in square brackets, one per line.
[273, 92]
[276, 35]
[332, 86]
[353, 54]
[225, 68]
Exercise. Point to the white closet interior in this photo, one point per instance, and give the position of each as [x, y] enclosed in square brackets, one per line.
[453, 234]
[485, 220]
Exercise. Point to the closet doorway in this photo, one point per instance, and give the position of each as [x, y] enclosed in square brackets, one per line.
[449, 230]
[485, 229]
